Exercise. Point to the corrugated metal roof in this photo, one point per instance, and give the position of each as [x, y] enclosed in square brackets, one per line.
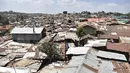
[109, 36]
[71, 67]
[121, 67]
[3, 49]
[11, 70]
[66, 35]
[73, 64]
[125, 33]
[87, 36]
[71, 35]
[121, 47]
[93, 64]
[96, 43]
[77, 50]
[26, 30]
[111, 55]
[124, 39]
[92, 60]
[76, 61]
[69, 70]
[121, 30]
[85, 70]
[106, 67]
[96, 19]
[90, 64]
[29, 55]
[89, 24]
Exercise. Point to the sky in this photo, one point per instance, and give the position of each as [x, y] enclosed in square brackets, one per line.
[58, 6]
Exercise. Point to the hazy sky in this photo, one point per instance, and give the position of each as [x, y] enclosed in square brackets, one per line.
[56, 6]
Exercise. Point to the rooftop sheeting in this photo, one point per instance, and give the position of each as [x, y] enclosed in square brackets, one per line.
[121, 67]
[73, 64]
[29, 55]
[120, 47]
[92, 64]
[77, 50]
[96, 43]
[109, 36]
[26, 30]
[110, 55]
[120, 30]
[66, 35]
[11, 70]
[124, 39]
[96, 19]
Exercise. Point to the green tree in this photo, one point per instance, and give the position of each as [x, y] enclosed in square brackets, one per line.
[80, 32]
[4, 20]
[50, 49]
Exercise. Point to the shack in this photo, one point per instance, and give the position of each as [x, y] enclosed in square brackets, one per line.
[65, 40]
[28, 35]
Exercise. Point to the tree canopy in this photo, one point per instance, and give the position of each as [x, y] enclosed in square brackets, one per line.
[50, 49]
[80, 32]
[4, 20]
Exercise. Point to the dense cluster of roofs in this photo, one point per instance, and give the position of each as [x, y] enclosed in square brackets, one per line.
[85, 43]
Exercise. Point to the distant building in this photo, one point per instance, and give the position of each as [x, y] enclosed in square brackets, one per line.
[82, 19]
[28, 35]
[96, 19]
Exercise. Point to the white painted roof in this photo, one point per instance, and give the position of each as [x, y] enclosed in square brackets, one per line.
[96, 43]
[77, 50]
[26, 30]
[111, 55]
